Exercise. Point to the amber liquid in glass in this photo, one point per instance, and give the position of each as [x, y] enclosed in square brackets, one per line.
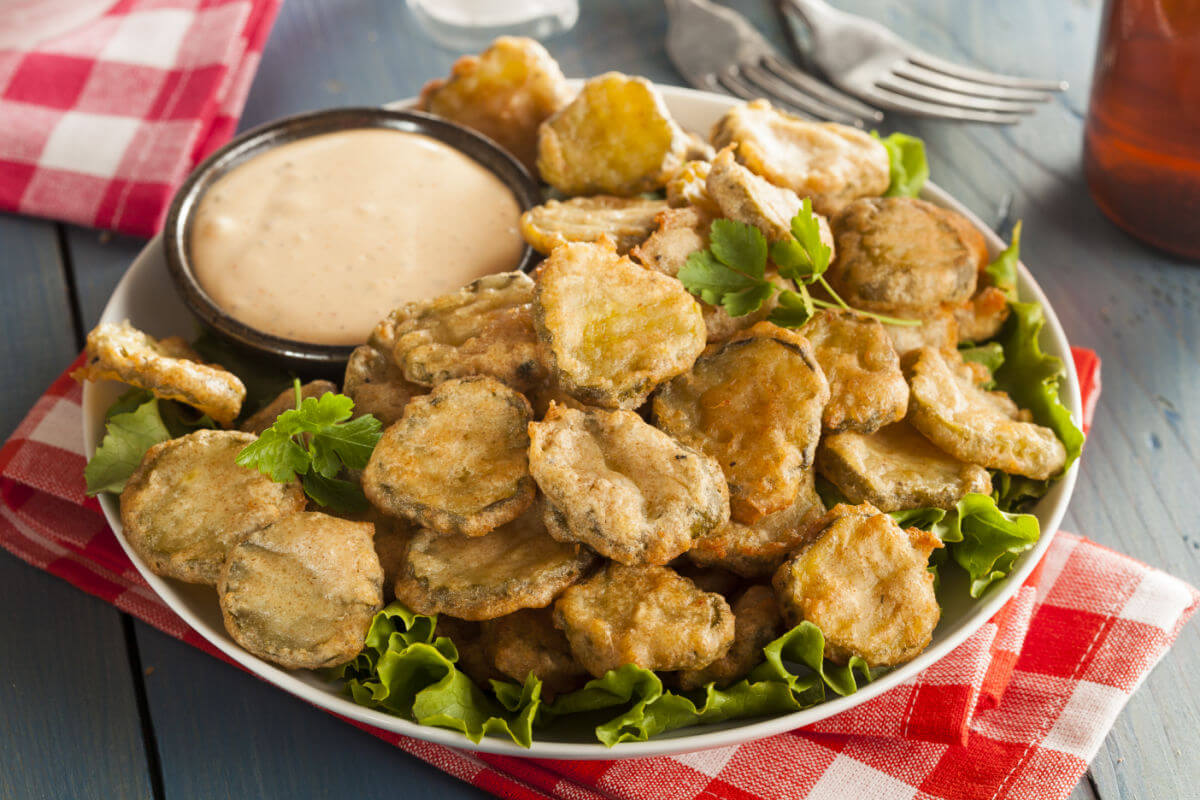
[1142, 139]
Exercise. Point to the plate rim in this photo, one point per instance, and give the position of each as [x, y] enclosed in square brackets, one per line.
[700, 739]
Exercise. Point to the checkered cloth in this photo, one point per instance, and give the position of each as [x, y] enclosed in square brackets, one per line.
[99, 125]
[1015, 712]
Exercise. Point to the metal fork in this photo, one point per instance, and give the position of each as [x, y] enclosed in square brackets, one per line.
[864, 58]
[717, 49]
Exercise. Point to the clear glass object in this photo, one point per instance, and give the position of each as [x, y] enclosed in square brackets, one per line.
[473, 24]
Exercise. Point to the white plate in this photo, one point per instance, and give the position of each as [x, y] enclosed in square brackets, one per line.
[147, 298]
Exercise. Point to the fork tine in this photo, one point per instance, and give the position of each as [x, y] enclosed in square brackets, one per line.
[821, 90]
[931, 94]
[938, 80]
[731, 80]
[778, 90]
[888, 99]
[971, 74]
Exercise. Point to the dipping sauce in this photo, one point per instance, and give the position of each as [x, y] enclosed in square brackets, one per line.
[318, 239]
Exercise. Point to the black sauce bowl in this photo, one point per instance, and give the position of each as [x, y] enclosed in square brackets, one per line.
[305, 358]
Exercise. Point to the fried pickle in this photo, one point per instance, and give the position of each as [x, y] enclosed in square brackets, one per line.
[457, 461]
[515, 566]
[612, 330]
[982, 316]
[898, 254]
[754, 404]
[505, 93]
[473, 657]
[168, 368]
[526, 642]
[187, 504]
[756, 623]
[625, 220]
[374, 381]
[265, 417]
[867, 390]
[648, 616]
[745, 197]
[302, 592]
[485, 328]
[688, 186]
[975, 425]
[897, 468]
[938, 329]
[757, 550]
[864, 582]
[616, 137]
[622, 487]
[831, 163]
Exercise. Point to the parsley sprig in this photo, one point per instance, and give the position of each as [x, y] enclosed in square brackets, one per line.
[316, 440]
[731, 271]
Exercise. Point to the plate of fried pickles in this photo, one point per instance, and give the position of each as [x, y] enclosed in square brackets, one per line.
[773, 426]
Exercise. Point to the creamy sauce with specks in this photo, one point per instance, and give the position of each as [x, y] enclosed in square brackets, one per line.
[318, 239]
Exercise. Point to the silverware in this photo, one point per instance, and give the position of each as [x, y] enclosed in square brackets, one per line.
[717, 49]
[864, 58]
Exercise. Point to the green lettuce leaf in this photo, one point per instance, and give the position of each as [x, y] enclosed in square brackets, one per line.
[1003, 271]
[907, 165]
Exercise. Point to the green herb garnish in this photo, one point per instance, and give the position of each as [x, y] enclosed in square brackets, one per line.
[731, 271]
[907, 166]
[317, 440]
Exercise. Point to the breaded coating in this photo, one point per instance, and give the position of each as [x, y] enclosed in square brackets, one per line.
[981, 317]
[975, 425]
[613, 331]
[622, 487]
[485, 328]
[515, 566]
[550, 392]
[938, 329]
[265, 417]
[897, 468]
[897, 254]
[391, 545]
[473, 658]
[754, 404]
[615, 137]
[188, 504]
[625, 220]
[864, 582]
[457, 461]
[505, 93]
[527, 642]
[756, 623]
[698, 149]
[831, 163]
[757, 550]
[648, 616]
[745, 197]
[168, 368]
[302, 592]
[867, 390]
[688, 186]
[374, 381]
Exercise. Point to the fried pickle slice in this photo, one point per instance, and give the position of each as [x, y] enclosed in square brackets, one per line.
[622, 487]
[612, 330]
[168, 368]
[864, 582]
[616, 137]
[302, 592]
[831, 163]
[938, 329]
[457, 462]
[757, 550]
[897, 468]
[981, 317]
[391, 546]
[977, 426]
[515, 566]
[866, 386]
[473, 657]
[756, 623]
[187, 504]
[649, 616]
[745, 197]
[754, 404]
[688, 186]
[265, 417]
[898, 254]
[485, 328]
[526, 642]
[505, 93]
[374, 381]
[625, 220]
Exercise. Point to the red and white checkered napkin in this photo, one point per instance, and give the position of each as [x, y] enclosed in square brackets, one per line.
[99, 125]
[1015, 712]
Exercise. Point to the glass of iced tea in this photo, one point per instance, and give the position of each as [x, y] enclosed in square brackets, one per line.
[1142, 139]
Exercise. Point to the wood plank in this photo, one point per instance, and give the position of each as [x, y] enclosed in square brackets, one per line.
[70, 724]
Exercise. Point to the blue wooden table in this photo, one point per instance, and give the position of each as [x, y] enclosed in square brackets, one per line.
[94, 704]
